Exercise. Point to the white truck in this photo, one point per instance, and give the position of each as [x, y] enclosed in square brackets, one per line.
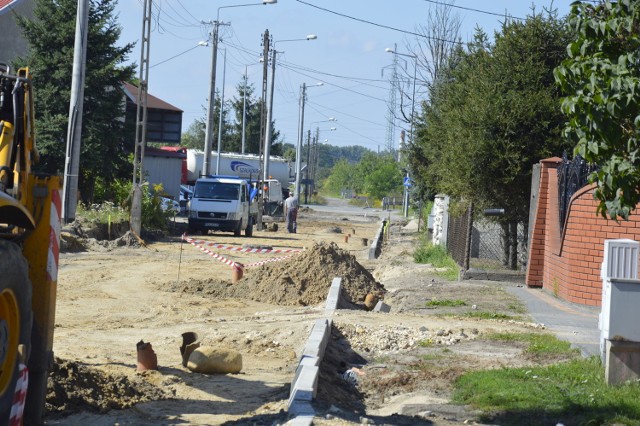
[222, 203]
[248, 166]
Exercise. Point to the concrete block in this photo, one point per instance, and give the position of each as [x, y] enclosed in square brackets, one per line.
[333, 298]
[382, 307]
[301, 409]
[305, 386]
[622, 361]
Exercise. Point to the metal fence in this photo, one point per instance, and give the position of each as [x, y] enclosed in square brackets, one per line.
[482, 244]
[572, 175]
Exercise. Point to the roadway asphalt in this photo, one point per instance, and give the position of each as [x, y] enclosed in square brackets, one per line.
[574, 323]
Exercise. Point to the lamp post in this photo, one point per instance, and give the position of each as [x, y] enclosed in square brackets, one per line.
[267, 137]
[405, 199]
[303, 94]
[212, 88]
[311, 171]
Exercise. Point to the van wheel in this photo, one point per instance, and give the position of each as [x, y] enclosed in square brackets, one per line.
[248, 232]
[238, 231]
[15, 319]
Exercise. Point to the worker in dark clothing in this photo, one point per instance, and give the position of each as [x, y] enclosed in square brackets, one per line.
[291, 213]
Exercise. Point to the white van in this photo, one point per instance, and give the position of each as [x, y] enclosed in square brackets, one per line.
[222, 203]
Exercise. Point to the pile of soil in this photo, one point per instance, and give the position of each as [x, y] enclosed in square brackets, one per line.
[73, 387]
[303, 280]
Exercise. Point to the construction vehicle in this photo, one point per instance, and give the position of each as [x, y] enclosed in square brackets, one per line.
[29, 235]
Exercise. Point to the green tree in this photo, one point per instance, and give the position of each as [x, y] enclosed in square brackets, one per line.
[493, 113]
[193, 138]
[50, 36]
[601, 78]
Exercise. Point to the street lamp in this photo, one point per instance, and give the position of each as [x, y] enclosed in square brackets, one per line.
[311, 162]
[405, 198]
[267, 137]
[212, 89]
[303, 95]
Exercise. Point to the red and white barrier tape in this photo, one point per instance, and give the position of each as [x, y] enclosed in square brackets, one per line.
[235, 265]
[19, 396]
[214, 255]
[239, 249]
[275, 259]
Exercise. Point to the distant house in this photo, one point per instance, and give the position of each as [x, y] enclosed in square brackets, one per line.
[12, 43]
[164, 126]
[164, 121]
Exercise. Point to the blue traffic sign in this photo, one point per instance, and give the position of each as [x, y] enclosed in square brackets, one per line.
[407, 181]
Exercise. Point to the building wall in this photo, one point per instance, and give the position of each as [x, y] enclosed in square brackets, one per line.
[167, 171]
[568, 263]
[12, 43]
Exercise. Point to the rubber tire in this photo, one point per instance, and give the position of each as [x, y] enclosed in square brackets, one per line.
[238, 231]
[248, 232]
[15, 278]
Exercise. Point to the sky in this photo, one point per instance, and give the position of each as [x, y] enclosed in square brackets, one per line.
[348, 56]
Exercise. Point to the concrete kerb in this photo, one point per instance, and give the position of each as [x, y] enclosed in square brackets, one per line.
[304, 386]
[376, 246]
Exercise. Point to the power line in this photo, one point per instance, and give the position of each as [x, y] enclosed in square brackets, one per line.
[502, 15]
[343, 113]
[379, 25]
[175, 56]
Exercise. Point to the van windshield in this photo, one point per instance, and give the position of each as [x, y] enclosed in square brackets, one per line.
[216, 190]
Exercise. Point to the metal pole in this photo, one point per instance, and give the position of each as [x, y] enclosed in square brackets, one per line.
[306, 174]
[206, 168]
[244, 110]
[141, 124]
[303, 91]
[221, 122]
[76, 107]
[267, 137]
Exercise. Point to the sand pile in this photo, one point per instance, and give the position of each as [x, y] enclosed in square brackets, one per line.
[302, 280]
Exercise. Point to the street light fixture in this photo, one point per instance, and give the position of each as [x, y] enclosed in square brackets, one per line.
[212, 89]
[405, 200]
[267, 137]
[303, 95]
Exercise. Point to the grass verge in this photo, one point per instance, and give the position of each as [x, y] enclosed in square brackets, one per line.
[572, 392]
[446, 303]
[539, 345]
[439, 258]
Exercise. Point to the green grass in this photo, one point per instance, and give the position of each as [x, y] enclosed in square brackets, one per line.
[573, 392]
[490, 315]
[446, 303]
[103, 213]
[538, 344]
[439, 258]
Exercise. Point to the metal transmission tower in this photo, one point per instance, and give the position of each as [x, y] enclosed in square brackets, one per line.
[391, 105]
[141, 122]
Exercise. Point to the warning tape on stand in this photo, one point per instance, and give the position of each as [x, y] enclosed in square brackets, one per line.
[238, 249]
[20, 396]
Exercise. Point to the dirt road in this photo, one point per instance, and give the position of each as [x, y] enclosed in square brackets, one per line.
[108, 300]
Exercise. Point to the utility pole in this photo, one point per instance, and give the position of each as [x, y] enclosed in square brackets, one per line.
[265, 67]
[208, 137]
[244, 110]
[221, 122]
[306, 185]
[76, 108]
[141, 123]
[267, 137]
[303, 94]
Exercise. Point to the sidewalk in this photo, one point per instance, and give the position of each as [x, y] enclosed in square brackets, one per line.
[574, 323]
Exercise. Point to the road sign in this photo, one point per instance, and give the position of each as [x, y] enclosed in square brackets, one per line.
[407, 181]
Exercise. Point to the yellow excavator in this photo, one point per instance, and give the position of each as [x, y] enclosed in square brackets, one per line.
[29, 245]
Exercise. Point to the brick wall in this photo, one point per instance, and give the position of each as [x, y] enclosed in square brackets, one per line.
[568, 263]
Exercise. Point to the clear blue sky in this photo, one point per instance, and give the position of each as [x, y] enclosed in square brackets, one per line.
[353, 51]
